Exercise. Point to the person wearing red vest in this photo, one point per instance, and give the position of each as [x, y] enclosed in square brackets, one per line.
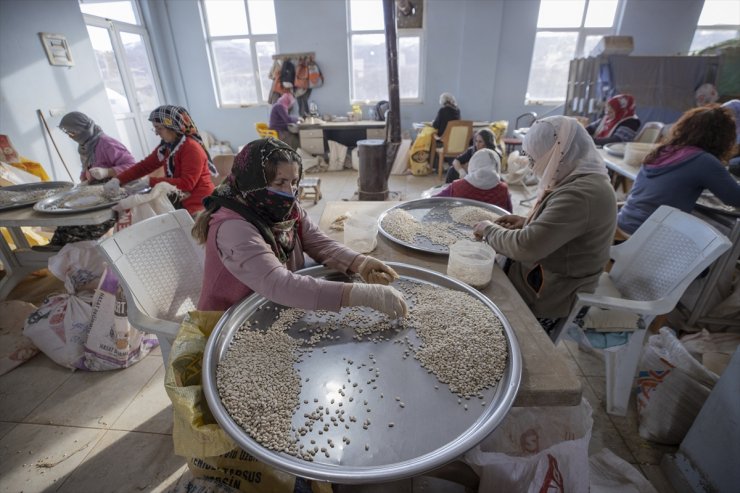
[482, 183]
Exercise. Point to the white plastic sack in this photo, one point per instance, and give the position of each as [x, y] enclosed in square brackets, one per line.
[672, 389]
[611, 474]
[144, 205]
[15, 348]
[337, 156]
[536, 449]
[112, 343]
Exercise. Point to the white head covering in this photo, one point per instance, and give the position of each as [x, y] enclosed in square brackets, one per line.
[483, 169]
[560, 147]
[447, 99]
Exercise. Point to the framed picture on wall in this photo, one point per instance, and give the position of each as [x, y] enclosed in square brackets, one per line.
[57, 49]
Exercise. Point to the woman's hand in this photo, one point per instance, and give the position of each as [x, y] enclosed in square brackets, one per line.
[481, 229]
[373, 271]
[511, 221]
[101, 173]
[385, 299]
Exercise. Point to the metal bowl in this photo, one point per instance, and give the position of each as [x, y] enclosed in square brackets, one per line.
[33, 187]
[435, 208]
[433, 428]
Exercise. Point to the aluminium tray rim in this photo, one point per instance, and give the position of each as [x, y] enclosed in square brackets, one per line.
[41, 185]
[431, 200]
[41, 205]
[504, 394]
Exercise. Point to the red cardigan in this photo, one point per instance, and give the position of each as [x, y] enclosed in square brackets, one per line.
[191, 173]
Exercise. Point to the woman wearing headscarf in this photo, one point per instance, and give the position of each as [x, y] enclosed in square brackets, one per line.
[483, 139]
[449, 111]
[98, 151]
[482, 182]
[734, 106]
[280, 119]
[256, 233]
[678, 171]
[619, 123]
[181, 152]
[562, 246]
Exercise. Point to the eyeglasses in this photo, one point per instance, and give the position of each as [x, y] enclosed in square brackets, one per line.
[68, 132]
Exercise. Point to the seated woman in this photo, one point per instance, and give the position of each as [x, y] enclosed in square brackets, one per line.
[619, 123]
[482, 182]
[483, 139]
[448, 112]
[186, 162]
[734, 106]
[256, 233]
[678, 171]
[562, 246]
[98, 153]
[280, 119]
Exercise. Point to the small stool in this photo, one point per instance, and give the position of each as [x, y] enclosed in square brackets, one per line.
[310, 188]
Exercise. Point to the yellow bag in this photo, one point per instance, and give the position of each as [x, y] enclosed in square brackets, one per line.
[419, 161]
[31, 167]
[196, 434]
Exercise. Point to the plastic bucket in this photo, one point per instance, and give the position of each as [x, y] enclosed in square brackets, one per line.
[471, 262]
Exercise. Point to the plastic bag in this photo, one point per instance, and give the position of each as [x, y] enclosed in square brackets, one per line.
[420, 157]
[536, 449]
[672, 389]
[611, 474]
[143, 206]
[112, 343]
[337, 156]
[15, 348]
[195, 433]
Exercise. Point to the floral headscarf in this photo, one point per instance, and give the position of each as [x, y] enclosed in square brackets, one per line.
[86, 134]
[275, 215]
[624, 109]
[177, 119]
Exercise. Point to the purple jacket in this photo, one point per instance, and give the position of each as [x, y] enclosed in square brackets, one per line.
[279, 117]
[109, 153]
[239, 262]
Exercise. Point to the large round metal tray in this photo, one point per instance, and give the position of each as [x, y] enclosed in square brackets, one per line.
[33, 187]
[615, 149]
[435, 209]
[432, 430]
[51, 204]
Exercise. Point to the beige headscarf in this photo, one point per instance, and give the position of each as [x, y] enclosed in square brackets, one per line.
[560, 147]
[483, 169]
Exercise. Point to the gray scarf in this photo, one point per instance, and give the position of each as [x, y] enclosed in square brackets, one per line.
[86, 134]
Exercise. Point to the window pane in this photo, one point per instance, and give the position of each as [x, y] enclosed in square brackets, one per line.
[366, 15]
[704, 38]
[719, 12]
[548, 75]
[122, 10]
[233, 62]
[262, 17]
[265, 50]
[369, 70]
[226, 17]
[409, 56]
[601, 13]
[561, 13]
[141, 71]
[109, 69]
[589, 43]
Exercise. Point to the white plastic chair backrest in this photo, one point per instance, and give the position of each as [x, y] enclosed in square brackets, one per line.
[160, 264]
[649, 133]
[664, 255]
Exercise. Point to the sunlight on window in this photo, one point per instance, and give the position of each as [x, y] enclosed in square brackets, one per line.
[122, 10]
[601, 13]
[548, 76]
[141, 72]
[720, 13]
[226, 17]
[409, 59]
[262, 16]
[560, 13]
[108, 66]
[366, 15]
[370, 72]
[233, 59]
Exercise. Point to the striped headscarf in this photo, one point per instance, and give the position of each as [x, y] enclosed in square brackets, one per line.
[177, 119]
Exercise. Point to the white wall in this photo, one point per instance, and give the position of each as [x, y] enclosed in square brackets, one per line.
[477, 49]
[28, 82]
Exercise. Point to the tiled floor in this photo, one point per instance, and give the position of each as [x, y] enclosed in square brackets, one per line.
[111, 431]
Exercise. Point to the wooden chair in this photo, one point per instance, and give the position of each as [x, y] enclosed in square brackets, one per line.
[264, 130]
[223, 164]
[665, 133]
[649, 133]
[454, 141]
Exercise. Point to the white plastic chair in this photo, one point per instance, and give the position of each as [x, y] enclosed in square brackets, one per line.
[651, 271]
[160, 267]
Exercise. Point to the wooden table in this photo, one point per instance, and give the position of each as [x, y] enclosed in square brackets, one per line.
[21, 261]
[546, 378]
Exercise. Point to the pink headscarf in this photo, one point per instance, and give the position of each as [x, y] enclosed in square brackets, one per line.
[286, 100]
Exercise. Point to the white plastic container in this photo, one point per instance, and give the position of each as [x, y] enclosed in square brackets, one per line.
[635, 152]
[361, 233]
[471, 262]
